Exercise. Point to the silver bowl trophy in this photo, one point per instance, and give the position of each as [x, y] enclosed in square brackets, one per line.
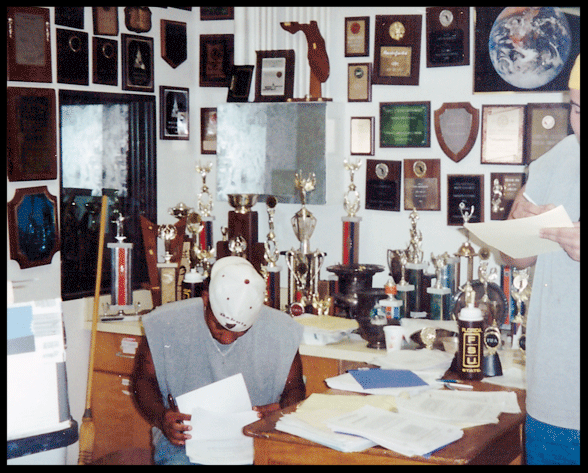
[303, 265]
[351, 204]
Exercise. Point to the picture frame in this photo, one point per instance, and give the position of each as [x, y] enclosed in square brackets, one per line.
[357, 36]
[208, 127]
[393, 128]
[503, 133]
[31, 134]
[240, 84]
[174, 42]
[104, 61]
[469, 190]
[174, 107]
[105, 20]
[32, 226]
[217, 13]
[216, 59]
[546, 125]
[28, 44]
[137, 63]
[359, 82]
[397, 49]
[274, 75]
[362, 136]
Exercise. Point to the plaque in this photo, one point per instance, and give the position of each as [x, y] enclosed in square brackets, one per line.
[503, 129]
[138, 19]
[208, 130]
[397, 49]
[503, 189]
[382, 185]
[422, 184]
[448, 36]
[30, 134]
[357, 36]
[72, 17]
[174, 105]
[216, 59]
[28, 47]
[240, 84]
[359, 82]
[137, 63]
[274, 75]
[104, 61]
[72, 57]
[547, 125]
[174, 48]
[466, 190]
[405, 125]
[362, 136]
[456, 127]
[105, 20]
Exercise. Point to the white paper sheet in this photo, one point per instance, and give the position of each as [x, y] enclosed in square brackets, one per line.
[219, 412]
[519, 238]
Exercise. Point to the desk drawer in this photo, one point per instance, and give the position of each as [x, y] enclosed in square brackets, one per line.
[115, 352]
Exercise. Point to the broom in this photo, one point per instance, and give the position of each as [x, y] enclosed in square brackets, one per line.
[87, 430]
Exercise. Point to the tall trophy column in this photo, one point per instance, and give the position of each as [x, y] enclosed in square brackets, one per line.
[205, 204]
[121, 288]
[271, 272]
[351, 204]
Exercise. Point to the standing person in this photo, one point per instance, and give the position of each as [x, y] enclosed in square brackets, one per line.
[195, 342]
[552, 427]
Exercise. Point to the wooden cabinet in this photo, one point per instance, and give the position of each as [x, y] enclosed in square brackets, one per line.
[118, 423]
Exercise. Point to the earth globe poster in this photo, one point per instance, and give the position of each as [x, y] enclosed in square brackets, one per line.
[525, 49]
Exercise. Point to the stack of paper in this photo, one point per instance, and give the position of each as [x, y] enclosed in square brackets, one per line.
[219, 413]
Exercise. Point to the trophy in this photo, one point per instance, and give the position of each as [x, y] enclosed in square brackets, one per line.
[167, 233]
[466, 250]
[303, 265]
[415, 268]
[179, 211]
[497, 194]
[439, 294]
[271, 271]
[351, 205]
[121, 289]
[167, 269]
[491, 365]
[520, 293]
[485, 276]
[403, 287]
[205, 205]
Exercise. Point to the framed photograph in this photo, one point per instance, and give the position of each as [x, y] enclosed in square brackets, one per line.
[240, 84]
[72, 57]
[357, 36]
[362, 136]
[359, 82]
[397, 49]
[488, 50]
[448, 36]
[465, 193]
[28, 45]
[216, 59]
[105, 21]
[137, 63]
[547, 125]
[274, 76]
[503, 133]
[174, 107]
[422, 184]
[208, 130]
[104, 61]
[32, 227]
[382, 185]
[503, 189]
[405, 125]
[31, 134]
[174, 42]
[217, 13]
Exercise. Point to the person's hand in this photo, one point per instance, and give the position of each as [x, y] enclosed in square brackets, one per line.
[567, 237]
[522, 208]
[174, 427]
[264, 411]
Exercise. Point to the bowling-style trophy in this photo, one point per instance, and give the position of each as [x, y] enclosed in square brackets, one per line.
[415, 269]
[521, 292]
[351, 204]
[121, 289]
[303, 265]
[270, 271]
[439, 294]
[205, 204]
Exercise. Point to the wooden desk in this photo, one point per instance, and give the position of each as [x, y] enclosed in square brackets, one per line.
[498, 444]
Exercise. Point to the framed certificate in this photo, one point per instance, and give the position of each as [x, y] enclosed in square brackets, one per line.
[137, 63]
[503, 131]
[547, 125]
[362, 136]
[422, 184]
[359, 82]
[465, 192]
[357, 36]
[274, 75]
[397, 49]
[405, 125]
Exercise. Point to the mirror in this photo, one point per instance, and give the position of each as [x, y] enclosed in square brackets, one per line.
[108, 147]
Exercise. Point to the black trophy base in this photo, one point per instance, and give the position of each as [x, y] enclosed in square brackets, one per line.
[491, 365]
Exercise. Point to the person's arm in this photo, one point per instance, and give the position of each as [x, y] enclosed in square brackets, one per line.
[150, 401]
[294, 390]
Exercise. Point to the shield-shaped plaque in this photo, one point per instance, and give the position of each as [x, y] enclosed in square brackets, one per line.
[456, 126]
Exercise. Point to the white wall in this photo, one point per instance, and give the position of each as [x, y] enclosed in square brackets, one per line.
[177, 180]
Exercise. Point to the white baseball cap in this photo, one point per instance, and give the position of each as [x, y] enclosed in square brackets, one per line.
[236, 293]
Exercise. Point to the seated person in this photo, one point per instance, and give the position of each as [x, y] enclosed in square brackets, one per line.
[195, 342]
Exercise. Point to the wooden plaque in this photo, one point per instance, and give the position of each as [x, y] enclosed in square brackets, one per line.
[382, 185]
[503, 189]
[456, 127]
[448, 36]
[104, 61]
[72, 57]
[422, 184]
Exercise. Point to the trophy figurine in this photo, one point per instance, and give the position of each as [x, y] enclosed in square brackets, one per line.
[415, 268]
[167, 233]
[179, 211]
[439, 294]
[403, 287]
[205, 203]
[271, 271]
[351, 204]
[485, 276]
[466, 250]
[167, 269]
[521, 293]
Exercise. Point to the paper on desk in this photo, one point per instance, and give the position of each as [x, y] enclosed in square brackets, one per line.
[219, 412]
[519, 238]
[346, 382]
[395, 431]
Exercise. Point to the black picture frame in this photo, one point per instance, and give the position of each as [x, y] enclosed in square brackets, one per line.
[174, 105]
[216, 59]
[137, 63]
[469, 189]
[274, 75]
[240, 84]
